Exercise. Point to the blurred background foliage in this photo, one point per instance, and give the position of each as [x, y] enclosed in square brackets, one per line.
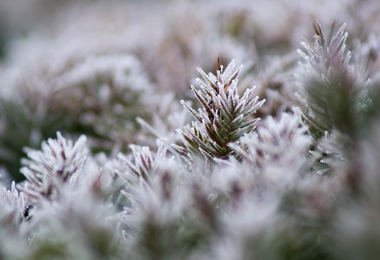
[42, 42]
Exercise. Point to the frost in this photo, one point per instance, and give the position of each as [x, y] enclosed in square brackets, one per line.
[59, 162]
[155, 163]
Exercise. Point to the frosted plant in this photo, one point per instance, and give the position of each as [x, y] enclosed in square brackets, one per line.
[149, 180]
[279, 142]
[14, 207]
[327, 155]
[365, 56]
[275, 154]
[291, 207]
[337, 104]
[144, 171]
[168, 217]
[333, 96]
[105, 92]
[49, 86]
[143, 161]
[79, 225]
[247, 229]
[169, 116]
[99, 179]
[270, 160]
[65, 198]
[21, 126]
[273, 76]
[223, 118]
[264, 196]
[46, 171]
[353, 223]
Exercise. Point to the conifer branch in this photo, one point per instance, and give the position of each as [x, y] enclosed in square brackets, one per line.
[332, 94]
[222, 118]
[47, 170]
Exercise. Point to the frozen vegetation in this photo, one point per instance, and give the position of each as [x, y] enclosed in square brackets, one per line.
[172, 130]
